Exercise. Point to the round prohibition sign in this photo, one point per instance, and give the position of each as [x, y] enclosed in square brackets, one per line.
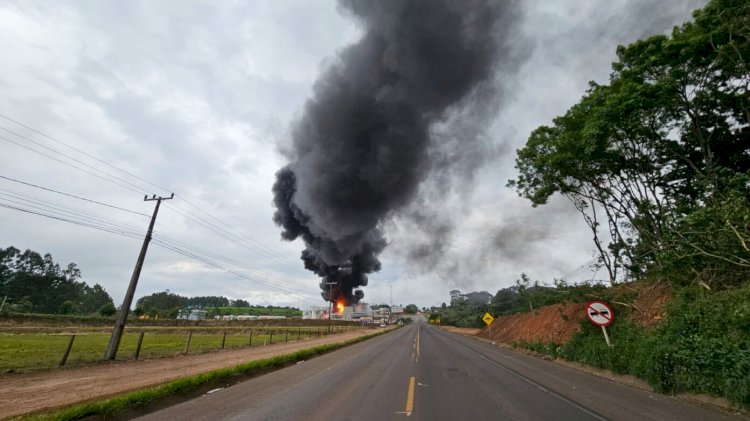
[599, 313]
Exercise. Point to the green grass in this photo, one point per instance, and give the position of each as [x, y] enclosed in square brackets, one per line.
[114, 406]
[35, 351]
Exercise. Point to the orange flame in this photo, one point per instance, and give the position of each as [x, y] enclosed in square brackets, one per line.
[339, 307]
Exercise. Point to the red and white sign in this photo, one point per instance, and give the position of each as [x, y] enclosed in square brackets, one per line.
[599, 313]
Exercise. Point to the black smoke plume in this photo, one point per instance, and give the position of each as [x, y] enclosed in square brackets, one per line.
[362, 146]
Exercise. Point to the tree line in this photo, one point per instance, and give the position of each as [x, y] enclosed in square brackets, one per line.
[32, 283]
[168, 304]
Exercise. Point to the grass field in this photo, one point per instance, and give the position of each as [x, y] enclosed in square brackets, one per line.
[38, 351]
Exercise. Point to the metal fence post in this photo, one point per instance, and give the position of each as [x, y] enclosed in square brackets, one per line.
[286, 335]
[250, 342]
[223, 339]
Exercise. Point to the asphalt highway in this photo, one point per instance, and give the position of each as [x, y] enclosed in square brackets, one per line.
[423, 373]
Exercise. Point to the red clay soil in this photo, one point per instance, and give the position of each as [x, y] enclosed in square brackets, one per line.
[545, 324]
[646, 304]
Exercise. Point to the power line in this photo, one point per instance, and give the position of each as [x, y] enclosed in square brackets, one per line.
[230, 270]
[229, 236]
[69, 157]
[81, 152]
[69, 164]
[94, 226]
[72, 195]
[257, 276]
[243, 240]
[255, 271]
[59, 209]
[248, 238]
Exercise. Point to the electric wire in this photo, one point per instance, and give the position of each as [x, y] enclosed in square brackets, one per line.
[229, 236]
[76, 222]
[226, 260]
[257, 276]
[69, 164]
[72, 195]
[80, 151]
[232, 271]
[69, 157]
[258, 244]
[49, 206]
[244, 241]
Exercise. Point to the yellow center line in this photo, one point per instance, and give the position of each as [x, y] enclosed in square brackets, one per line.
[410, 397]
[417, 342]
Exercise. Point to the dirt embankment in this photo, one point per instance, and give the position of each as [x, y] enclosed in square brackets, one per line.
[558, 323]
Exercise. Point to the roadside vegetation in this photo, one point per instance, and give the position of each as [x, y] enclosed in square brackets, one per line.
[113, 407]
[40, 350]
[657, 163]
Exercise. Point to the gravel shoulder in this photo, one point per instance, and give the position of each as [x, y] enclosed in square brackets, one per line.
[32, 392]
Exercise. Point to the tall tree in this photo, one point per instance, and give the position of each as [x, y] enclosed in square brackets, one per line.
[667, 137]
[38, 284]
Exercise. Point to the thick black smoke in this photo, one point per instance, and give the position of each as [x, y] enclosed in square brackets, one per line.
[361, 148]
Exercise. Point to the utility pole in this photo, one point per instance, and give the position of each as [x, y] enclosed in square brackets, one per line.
[114, 341]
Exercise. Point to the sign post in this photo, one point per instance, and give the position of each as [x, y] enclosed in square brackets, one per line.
[488, 319]
[600, 314]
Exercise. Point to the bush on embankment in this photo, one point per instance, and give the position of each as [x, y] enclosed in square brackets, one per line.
[703, 346]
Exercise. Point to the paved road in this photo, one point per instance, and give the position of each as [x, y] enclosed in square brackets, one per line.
[423, 373]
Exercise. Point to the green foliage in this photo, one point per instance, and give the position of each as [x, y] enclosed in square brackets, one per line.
[254, 311]
[108, 310]
[660, 152]
[705, 344]
[208, 301]
[525, 296]
[411, 309]
[712, 244]
[35, 283]
[166, 305]
[460, 315]
[703, 347]
[162, 304]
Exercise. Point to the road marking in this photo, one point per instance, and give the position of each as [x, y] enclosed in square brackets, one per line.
[410, 397]
[417, 343]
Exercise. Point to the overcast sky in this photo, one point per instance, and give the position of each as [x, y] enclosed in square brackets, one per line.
[120, 99]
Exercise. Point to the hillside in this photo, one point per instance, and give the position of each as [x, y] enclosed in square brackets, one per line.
[558, 323]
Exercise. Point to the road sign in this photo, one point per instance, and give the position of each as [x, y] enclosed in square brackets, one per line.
[599, 313]
[488, 319]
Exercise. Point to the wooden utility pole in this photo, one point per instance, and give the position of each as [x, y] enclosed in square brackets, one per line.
[114, 341]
